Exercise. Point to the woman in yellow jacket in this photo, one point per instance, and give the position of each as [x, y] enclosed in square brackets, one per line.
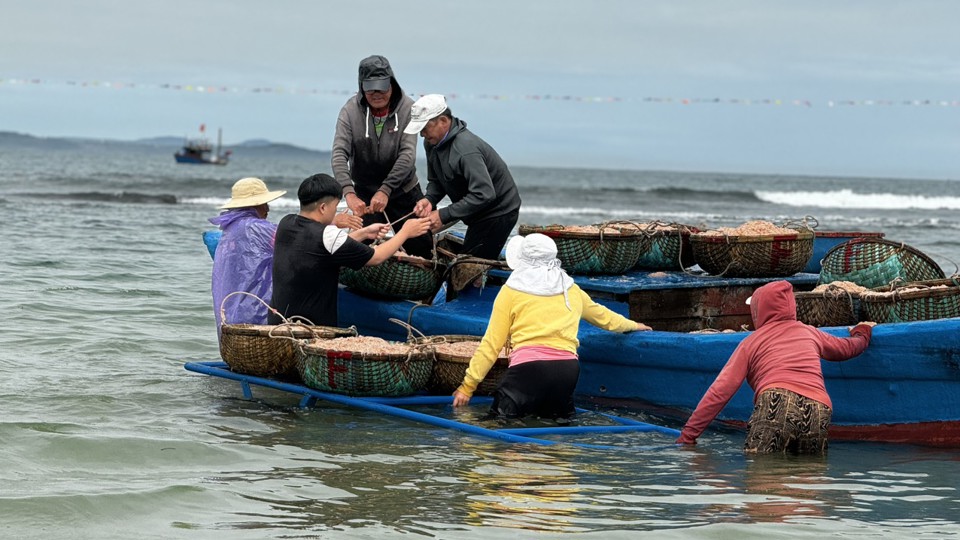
[539, 310]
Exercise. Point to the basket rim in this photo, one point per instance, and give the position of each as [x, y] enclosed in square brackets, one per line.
[557, 231]
[502, 361]
[435, 264]
[801, 235]
[952, 289]
[283, 330]
[853, 234]
[827, 295]
[417, 353]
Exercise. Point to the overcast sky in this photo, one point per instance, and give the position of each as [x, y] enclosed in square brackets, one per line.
[862, 88]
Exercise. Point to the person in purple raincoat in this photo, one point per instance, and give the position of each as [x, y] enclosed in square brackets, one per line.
[244, 256]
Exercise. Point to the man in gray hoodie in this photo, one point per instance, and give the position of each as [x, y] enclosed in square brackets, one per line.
[373, 159]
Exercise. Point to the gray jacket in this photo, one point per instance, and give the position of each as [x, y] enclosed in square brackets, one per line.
[364, 163]
[469, 171]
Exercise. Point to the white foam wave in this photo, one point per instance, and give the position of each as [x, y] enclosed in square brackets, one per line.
[608, 213]
[846, 198]
[217, 202]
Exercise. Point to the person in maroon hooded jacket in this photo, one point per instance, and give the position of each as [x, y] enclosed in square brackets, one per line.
[781, 362]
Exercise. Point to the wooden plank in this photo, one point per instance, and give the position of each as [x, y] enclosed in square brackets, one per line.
[685, 303]
[692, 324]
[688, 310]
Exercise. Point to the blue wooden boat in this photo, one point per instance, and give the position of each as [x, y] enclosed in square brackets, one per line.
[904, 388]
[397, 406]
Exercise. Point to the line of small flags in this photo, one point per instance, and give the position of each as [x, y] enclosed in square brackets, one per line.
[221, 89]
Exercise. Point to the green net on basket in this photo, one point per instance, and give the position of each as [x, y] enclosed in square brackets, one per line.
[875, 262]
[608, 248]
[670, 247]
[399, 277]
[350, 367]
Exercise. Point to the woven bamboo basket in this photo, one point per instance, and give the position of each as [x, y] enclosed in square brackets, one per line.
[266, 350]
[876, 262]
[595, 253]
[449, 369]
[399, 278]
[669, 249]
[363, 374]
[753, 256]
[260, 350]
[832, 307]
[913, 301]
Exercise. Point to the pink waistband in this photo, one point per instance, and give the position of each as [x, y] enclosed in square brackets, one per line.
[533, 353]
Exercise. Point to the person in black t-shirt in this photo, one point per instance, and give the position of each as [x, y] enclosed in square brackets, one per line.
[309, 251]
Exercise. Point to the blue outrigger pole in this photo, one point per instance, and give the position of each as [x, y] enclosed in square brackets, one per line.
[393, 406]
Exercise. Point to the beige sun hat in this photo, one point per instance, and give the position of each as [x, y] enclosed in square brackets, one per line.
[251, 192]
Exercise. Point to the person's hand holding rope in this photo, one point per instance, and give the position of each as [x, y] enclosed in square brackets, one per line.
[344, 220]
[356, 205]
[378, 203]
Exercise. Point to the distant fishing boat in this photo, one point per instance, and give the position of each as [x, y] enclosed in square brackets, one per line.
[199, 151]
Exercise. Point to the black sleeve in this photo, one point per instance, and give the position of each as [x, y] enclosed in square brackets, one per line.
[353, 254]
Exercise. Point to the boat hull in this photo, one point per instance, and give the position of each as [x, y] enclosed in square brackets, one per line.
[905, 388]
[194, 160]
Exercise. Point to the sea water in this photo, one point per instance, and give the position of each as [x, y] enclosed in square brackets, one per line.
[104, 291]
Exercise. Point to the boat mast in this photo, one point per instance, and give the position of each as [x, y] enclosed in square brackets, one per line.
[219, 136]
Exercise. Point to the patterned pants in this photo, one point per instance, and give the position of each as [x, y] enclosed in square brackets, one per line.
[784, 421]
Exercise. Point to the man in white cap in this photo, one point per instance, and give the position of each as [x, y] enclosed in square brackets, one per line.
[465, 168]
[538, 311]
[244, 257]
[373, 159]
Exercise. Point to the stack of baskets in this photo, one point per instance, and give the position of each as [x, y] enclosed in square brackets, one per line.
[449, 367]
[913, 301]
[399, 277]
[669, 248]
[612, 248]
[346, 367]
[761, 255]
[875, 262]
[270, 350]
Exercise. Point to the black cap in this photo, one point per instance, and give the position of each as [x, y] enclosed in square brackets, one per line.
[375, 73]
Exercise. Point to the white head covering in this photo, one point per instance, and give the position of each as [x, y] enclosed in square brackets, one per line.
[536, 269]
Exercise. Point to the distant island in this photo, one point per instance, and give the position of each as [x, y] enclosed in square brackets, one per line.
[258, 147]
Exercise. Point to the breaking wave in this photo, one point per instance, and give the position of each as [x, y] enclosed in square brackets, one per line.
[847, 198]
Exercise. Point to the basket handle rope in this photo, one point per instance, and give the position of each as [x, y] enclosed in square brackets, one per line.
[803, 223]
[467, 258]
[410, 328]
[837, 292]
[295, 321]
[390, 224]
[223, 303]
[679, 228]
[425, 346]
[603, 226]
